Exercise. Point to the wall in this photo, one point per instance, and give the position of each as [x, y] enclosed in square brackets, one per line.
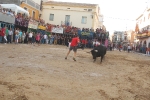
[37, 1]
[17, 2]
[141, 21]
[75, 13]
[31, 9]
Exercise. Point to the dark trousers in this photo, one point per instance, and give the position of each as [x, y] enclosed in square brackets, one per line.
[9, 38]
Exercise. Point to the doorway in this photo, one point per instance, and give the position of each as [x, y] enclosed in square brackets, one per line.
[67, 20]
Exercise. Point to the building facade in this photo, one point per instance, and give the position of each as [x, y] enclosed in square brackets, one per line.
[118, 36]
[73, 14]
[142, 28]
[33, 6]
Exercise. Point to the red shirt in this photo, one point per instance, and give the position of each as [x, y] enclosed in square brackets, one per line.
[3, 32]
[0, 33]
[74, 41]
[86, 42]
[83, 41]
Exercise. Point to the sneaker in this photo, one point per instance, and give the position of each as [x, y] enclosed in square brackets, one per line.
[74, 59]
[65, 57]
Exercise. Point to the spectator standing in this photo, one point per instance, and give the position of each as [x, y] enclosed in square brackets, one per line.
[45, 38]
[38, 38]
[16, 38]
[129, 48]
[147, 50]
[10, 33]
[0, 35]
[51, 39]
[30, 37]
[20, 36]
[23, 36]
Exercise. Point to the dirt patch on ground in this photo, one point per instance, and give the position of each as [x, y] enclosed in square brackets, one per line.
[41, 73]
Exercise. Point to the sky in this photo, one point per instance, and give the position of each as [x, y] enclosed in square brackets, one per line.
[119, 15]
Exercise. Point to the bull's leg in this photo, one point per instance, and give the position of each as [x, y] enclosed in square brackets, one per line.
[102, 58]
[94, 60]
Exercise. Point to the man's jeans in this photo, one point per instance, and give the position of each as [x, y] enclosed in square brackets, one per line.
[0, 39]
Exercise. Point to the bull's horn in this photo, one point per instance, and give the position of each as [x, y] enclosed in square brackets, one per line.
[96, 50]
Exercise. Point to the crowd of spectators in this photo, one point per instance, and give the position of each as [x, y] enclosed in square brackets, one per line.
[19, 36]
[9, 12]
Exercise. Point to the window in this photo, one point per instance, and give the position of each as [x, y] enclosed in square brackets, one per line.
[33, 15]
[84, 20]
[85, 9]
[51, 18]
[68, 8]
[89, 9]
[52, 7]
[25, 8]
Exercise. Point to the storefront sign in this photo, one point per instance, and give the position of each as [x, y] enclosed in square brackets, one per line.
[57, 30]
[41, 27]
[33, 24]
[85, 33]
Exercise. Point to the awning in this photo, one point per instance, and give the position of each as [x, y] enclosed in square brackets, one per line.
[15, 8]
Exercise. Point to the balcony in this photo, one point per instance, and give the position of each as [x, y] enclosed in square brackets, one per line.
[65, 23]
[32, 4]
[142, 35]
[7, 18]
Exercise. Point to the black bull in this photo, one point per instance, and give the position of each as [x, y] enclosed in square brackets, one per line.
[99, 51]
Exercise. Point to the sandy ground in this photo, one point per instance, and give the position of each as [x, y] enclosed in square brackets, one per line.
[41, 73]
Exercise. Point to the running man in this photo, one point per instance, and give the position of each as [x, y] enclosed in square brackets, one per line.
[73, 46]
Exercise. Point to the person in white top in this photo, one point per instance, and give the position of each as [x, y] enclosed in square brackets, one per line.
[97, 43]
[94, 43]
[23, 37]
[10, 33]
[30, 37]
[129, 48]
[45, 38]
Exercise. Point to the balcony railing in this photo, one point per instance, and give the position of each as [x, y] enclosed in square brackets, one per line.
[142, 35]
[7, 18]
[32, 3]
[66, 23]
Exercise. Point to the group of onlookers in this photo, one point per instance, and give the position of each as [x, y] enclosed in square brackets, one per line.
[19, 36]
[7, 11]
[130, 48]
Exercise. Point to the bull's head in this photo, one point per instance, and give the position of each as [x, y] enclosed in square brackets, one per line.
[94, 52]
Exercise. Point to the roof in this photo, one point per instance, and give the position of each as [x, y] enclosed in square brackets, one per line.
[71, 4]
[139, 16]
[15, 8]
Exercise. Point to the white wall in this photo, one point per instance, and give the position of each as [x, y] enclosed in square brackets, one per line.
[146, 22]
[148, 41]
[37, 1]
[74, 12]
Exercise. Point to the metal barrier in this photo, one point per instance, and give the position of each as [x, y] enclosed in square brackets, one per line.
[7, 18]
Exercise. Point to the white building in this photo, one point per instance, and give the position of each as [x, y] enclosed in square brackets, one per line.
[143, 28]
[75, 14]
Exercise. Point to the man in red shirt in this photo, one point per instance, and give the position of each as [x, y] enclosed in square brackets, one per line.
[3, 34]
[73, 46]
